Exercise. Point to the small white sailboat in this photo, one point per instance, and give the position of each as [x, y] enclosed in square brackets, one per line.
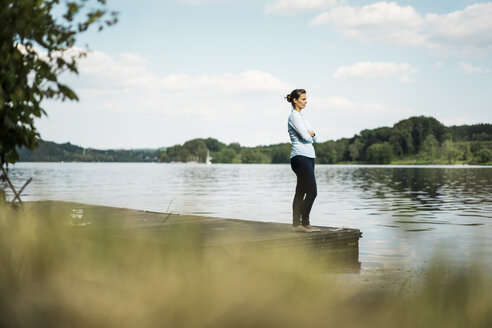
[208, 161]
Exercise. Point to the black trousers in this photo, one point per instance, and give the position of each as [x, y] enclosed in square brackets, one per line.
[306, 190]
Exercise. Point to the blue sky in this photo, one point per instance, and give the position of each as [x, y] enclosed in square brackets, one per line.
[175, 70]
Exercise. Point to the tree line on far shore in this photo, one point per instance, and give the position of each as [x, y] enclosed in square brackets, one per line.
[48, 151]
[417, 140]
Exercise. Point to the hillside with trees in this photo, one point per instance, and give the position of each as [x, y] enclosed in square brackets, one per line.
[416, 140]
[48, 151]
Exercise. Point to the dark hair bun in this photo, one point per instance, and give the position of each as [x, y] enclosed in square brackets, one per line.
[295, 94]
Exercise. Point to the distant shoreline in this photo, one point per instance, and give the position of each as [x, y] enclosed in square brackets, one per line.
[399, 163]
[416, 141]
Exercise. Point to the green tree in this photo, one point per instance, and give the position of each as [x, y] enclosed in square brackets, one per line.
[484, 155]
[380, 153]
[36, 40]
[163, 157]
[467, 154]
[430, 146]
[450, 152]
[453, 155]
[355, 149]
[416, 129]
[214, 144]
[177, 153]
[197, 150]
[326, 152]
[342, 149]
[249, 155]
[281, 153]
[474, 132]
[226, 155]
[235, 146]
[446, 137]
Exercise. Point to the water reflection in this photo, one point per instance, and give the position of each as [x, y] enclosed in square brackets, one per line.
[426, 208]
[422, 191]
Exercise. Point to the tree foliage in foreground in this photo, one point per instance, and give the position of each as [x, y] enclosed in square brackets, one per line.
[37, 39]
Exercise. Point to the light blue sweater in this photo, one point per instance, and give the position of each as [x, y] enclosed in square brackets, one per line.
[302, 142]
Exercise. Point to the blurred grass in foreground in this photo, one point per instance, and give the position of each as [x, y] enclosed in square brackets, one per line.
[56, 275]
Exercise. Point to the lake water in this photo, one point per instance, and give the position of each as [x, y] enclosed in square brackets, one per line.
[404, 212]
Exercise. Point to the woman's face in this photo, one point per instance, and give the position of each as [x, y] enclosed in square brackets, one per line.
[301, 101]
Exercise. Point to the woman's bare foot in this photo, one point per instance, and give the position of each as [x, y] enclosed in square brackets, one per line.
[310, 228]
[299, 228]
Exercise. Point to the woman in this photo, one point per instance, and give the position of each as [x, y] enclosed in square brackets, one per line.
[302, 162]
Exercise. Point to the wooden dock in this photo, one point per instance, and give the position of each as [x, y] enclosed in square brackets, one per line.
[342, 244]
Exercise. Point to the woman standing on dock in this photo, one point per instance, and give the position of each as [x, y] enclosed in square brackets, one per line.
[302, 162]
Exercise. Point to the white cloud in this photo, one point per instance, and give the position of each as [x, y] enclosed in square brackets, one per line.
[342, 104]
[130, 70]
[295, 6]
[467, 68]
[248, 81]
[380, 21]
[211, 97]
[123, 71]
[438, 65]
[391, 23]
[125, 104]
[121, 98]
[469, 27]
[375, 70]
[286, 7]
